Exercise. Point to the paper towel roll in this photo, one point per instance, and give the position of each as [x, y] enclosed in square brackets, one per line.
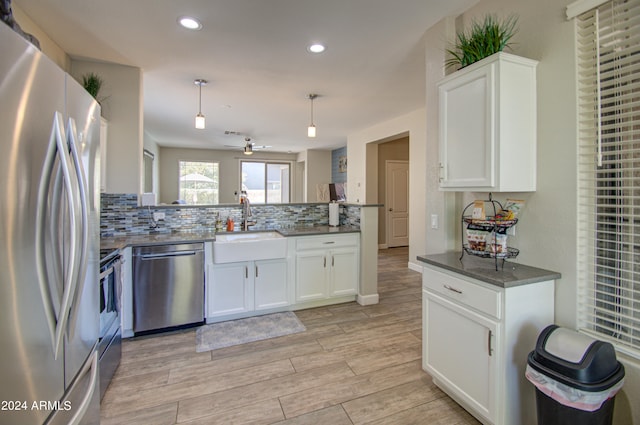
[334, 214]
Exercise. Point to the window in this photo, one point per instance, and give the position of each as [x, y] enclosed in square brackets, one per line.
[608, 54]
[266, 182]
[199, 182]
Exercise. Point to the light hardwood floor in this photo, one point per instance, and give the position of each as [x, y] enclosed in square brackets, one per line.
[353, 365]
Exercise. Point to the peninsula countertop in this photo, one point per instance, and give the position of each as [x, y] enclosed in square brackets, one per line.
[483, 269]
[120, 242]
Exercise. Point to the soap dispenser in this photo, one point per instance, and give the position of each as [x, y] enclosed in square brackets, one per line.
[230, 224]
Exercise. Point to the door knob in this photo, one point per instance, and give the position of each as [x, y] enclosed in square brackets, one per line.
[390, 209]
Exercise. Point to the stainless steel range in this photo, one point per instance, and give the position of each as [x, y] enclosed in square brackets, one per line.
[110, 340]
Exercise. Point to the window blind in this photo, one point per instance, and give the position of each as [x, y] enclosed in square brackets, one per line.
[608, 72]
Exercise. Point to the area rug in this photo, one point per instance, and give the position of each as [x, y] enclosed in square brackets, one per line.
[241, 331]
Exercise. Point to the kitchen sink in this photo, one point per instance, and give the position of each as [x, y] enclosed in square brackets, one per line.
[238, 247]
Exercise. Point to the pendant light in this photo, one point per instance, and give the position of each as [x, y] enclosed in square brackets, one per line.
[311, 130]
[248, 148]
[200, 124]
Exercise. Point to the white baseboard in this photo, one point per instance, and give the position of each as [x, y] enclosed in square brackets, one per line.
[415, 267]
[368, 299]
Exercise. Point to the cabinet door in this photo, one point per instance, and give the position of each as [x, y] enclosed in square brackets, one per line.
[311, 275]
[344, 271]
[229, 289]
[459, 352]
[467, 129]
[270, 284]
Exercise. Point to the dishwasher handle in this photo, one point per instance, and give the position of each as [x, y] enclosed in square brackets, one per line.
[167, 255]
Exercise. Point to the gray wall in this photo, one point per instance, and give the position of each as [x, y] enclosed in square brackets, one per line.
[336, 175]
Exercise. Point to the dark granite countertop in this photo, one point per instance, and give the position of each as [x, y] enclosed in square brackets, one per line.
[317, 230]
[120, 242]
[483, 269]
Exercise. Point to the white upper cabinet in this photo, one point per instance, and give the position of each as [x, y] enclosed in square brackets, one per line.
[488, 126]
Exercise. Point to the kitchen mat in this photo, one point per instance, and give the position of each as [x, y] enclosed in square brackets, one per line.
[241, 331]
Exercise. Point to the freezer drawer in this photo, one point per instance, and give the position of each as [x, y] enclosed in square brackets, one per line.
[168, 286]
[81, 403]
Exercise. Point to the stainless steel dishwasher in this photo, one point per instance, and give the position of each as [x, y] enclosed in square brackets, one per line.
[168, 286]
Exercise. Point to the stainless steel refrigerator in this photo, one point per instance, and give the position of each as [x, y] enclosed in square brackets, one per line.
[49, 241]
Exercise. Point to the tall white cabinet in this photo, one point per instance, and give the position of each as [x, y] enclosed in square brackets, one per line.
[487, 126]
[476, 338]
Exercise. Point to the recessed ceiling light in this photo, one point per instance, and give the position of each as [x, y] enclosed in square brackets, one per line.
[316, 48]
[189, 23]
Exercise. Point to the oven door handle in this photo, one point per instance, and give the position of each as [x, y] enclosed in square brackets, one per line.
[114, 262]
[106, 273]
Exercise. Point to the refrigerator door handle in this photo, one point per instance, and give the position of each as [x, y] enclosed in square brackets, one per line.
[92, 368]
[57, 147]
[80, 271]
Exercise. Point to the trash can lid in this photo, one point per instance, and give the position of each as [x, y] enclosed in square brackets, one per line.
[576, 359]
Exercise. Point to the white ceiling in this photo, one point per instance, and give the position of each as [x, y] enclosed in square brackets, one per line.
[253, 53]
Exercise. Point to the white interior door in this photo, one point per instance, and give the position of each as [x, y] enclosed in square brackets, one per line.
[397, 203]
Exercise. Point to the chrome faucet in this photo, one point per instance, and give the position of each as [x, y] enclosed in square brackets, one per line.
[246, 213]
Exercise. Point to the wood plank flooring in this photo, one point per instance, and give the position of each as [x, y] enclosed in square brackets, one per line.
[353, 365]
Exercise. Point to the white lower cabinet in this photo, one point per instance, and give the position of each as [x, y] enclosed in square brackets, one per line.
[229, 289]
[326, 267]
[311, 275]
[237, 288]
[270, 284]
[344, 271]
[476, 338]
[460, 351]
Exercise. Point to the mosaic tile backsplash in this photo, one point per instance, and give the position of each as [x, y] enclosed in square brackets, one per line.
[120, 215]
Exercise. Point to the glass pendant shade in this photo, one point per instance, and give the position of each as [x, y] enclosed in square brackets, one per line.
[311, 131]
[200, 123]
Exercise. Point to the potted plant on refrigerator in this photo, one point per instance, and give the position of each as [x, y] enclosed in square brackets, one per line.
[92, 83]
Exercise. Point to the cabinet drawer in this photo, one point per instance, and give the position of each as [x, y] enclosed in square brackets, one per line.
[326, 242]
[465, 292]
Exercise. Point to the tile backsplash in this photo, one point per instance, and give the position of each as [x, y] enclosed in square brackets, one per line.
[120, 215]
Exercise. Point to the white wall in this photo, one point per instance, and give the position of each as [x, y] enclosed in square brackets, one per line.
[47, 45]
[122, 108]
[152, 146]
[359, 178]
[318, 171]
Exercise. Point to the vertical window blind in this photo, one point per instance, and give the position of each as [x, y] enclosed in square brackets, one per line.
[608, 60]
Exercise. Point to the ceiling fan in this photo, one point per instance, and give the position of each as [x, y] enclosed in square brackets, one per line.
[249, 146]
